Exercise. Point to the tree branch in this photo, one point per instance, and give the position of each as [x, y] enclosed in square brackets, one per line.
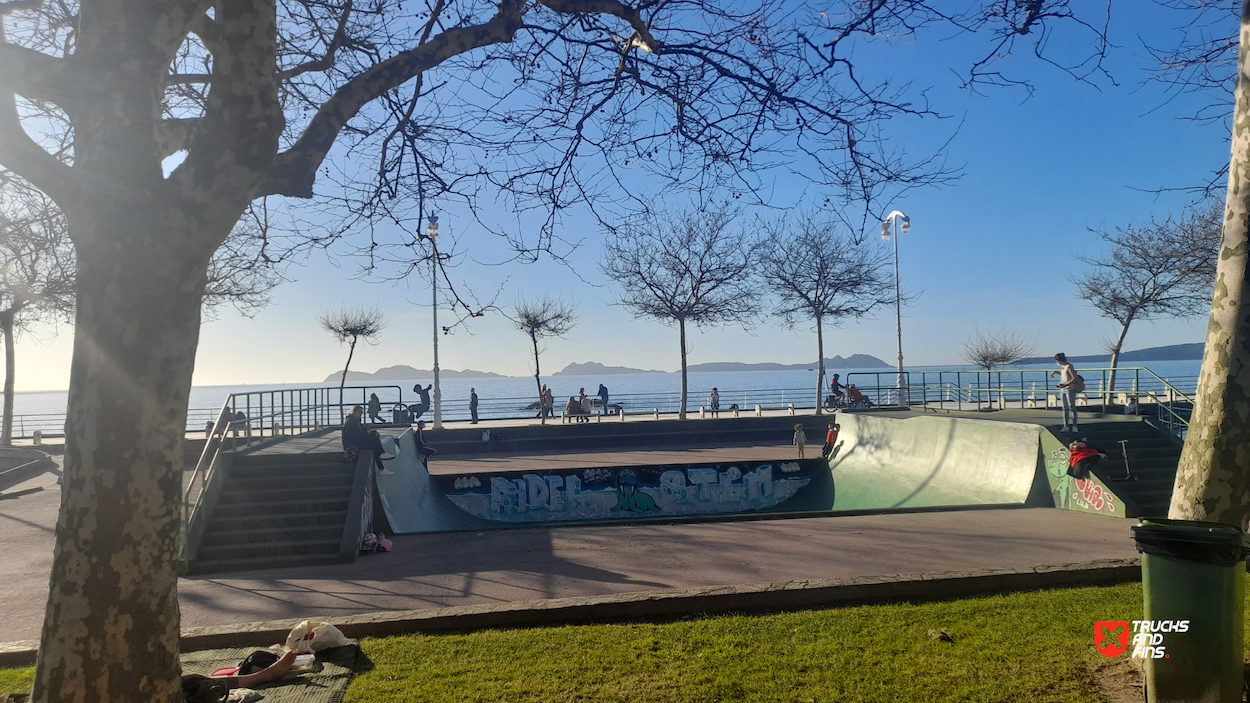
[175, 135]
[610, 7]
[295, 170]
[326, 61]
[34, 74]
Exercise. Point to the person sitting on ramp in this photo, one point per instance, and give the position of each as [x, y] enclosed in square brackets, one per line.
[1082, 458]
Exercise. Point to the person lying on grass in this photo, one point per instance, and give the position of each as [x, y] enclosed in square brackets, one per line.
[215, 689]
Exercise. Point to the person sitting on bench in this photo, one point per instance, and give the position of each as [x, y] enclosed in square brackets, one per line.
[355, 435]
[1082, 458]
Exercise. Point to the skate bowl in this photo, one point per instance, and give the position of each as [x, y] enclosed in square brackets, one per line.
[878, 464]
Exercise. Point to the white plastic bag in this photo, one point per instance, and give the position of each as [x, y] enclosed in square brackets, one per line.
[314, 636]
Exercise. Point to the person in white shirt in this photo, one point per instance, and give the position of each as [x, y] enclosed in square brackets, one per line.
[1067, 394]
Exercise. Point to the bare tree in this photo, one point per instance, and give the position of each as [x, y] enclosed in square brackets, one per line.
[350, 324]
[998, 348]
[817, 274]
[1154, 270]
[542, 105]
[682, 268]
[36, 274]
[541, 317]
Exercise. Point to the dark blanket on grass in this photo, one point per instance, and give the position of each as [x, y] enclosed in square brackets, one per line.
[326, 683]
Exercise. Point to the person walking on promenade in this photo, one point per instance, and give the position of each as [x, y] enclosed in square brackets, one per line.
[473, 406]
[799, 439]
[713, 402]
[831, 439]
[355, 435]
[545, 403]
[603, 398]
[1069, 385]
[375, 408]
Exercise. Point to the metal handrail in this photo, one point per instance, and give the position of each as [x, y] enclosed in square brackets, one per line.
[291, 411]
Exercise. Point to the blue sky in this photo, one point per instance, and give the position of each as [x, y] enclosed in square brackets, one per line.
[993, 250]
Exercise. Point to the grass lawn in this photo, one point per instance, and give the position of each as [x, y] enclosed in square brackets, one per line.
[1034, 646]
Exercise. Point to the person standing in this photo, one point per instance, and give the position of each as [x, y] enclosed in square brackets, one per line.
[800, 439]
[713, 402]
[1069, 385]
[375, 408]
[584, 405]
[603, 397]
[473, 406]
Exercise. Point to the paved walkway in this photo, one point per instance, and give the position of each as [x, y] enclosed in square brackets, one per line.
[510, 565]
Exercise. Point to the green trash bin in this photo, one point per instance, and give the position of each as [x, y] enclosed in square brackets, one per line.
[1193, 585]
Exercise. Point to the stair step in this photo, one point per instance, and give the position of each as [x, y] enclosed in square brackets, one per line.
[303, 494]
[277, 522]
[214, 566]
[270, 550]
[241, 510]
[293, 470]
[246, 538]
[250, 483]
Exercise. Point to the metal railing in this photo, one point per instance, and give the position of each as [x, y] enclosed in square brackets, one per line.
[1031, 388]
[257, 415]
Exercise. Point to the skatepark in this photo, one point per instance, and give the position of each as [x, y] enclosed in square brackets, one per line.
[727, 502]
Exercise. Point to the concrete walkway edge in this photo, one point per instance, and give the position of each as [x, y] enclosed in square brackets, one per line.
[663, 604]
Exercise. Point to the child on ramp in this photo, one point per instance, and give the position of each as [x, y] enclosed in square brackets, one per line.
[1082, 458]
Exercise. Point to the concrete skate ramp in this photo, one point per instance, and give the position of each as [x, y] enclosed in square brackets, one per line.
[411, 500]
[880, 463]
[883, 463]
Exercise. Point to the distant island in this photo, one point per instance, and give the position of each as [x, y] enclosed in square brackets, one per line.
[854, 361]
[407, 373]
[1174, 352]
[593, 368]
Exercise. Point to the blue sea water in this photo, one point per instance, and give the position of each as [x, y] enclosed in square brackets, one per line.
[509, 397]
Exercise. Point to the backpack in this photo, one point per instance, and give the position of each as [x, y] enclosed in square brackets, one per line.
[351, 454]
[1078, 384]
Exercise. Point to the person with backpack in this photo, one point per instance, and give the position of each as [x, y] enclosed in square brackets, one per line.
[1070, 383]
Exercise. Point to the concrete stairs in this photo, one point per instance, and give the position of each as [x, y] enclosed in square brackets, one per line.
[1152, 459]
[278, 510]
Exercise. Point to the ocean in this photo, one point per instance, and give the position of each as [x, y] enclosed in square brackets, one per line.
[509, 397]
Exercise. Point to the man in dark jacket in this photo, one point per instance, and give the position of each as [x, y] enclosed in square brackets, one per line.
[603, 396]
[473, 405]
[355, 435]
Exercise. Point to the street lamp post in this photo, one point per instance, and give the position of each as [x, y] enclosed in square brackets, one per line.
[431, 231]
[902, 223]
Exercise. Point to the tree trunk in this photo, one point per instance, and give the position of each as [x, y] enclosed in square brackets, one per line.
[537, 381]
[1115, 361]
[681, 324]
[1213, 479]
[111, 627]
[6, 432]
[820, 361]
[351, 351]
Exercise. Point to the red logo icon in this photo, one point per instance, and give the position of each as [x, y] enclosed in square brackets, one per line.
[1111, 637]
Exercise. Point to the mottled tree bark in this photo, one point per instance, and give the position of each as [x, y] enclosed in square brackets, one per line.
[1213, 479]
[110, 632]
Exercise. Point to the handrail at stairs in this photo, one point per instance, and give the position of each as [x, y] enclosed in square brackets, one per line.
[288, 411]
